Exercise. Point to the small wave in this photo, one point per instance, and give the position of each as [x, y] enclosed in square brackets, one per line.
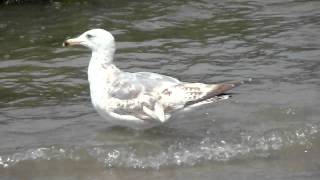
[177, 154]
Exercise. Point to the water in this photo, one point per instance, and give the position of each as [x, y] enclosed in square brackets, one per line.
[268, 130]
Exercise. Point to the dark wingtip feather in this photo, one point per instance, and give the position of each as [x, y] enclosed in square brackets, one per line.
[226, 86]
[219, 89]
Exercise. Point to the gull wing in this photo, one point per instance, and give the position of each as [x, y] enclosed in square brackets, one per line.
[131, 85]
[139, 94]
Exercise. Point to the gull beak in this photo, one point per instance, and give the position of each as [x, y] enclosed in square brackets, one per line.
[71, 42]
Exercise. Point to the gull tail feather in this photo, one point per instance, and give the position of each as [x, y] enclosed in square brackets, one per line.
[217, 90]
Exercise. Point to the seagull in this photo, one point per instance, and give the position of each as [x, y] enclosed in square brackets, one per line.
[138, 100]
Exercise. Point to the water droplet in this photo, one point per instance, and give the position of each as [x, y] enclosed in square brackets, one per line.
[62, 150]
[6, 56]
[57, 5]
[290, 111]
[3, 25]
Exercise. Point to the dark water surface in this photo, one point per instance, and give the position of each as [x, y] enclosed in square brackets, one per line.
[269, 130]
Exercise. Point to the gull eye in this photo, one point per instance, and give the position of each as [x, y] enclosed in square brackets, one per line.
[89, 36]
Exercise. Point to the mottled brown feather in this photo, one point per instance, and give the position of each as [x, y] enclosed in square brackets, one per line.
[218, 89]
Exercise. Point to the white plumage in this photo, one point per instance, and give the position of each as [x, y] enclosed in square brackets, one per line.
[142, 99]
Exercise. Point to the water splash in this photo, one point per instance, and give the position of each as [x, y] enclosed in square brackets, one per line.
[177, 154]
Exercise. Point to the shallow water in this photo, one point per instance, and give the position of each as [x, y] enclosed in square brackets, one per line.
[268, 130]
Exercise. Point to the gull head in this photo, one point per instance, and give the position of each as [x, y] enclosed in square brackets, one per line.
[95, 39]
